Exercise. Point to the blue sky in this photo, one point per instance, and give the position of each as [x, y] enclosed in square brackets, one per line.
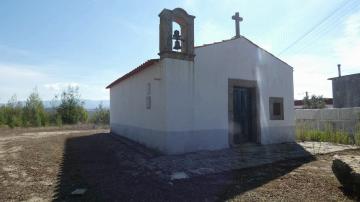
[90, 43]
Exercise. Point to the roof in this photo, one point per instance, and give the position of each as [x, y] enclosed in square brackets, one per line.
[134, 71]
[346, 76]
[242, 37]
[149, 63]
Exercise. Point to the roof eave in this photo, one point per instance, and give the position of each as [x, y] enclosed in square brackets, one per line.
[133, 72]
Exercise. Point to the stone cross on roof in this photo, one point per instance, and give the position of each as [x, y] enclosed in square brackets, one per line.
[237, 19]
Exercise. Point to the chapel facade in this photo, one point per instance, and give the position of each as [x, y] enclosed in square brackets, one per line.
[208, 97]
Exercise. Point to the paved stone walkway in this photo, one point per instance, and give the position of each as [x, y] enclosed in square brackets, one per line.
[244, 156]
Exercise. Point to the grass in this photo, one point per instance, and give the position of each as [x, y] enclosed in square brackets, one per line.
[304, 132]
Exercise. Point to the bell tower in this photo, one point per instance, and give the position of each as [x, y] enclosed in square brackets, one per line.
[176, 44]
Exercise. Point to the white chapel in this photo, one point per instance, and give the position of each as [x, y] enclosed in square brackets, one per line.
[209, 97]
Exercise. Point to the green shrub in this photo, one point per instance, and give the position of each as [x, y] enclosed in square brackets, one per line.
[2, 116]
[357, 134]
[71, 108]
[315, 102]
[101, 116]
[300, 131]
[58, 120]
[329, 134]
[33, 112]
[13, 113]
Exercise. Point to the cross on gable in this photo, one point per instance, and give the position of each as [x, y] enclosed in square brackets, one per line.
[237, 19]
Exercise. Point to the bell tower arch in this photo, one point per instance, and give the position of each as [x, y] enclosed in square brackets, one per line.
[170, 39]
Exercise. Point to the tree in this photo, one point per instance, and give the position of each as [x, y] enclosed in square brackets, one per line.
[71, 108]
[315, 102]
[54, 117]
[101, 115]
[33, 112]
[2, 115]
[13, 113]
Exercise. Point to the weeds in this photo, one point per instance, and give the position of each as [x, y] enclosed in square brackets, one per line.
[304, 132]
[357, 134]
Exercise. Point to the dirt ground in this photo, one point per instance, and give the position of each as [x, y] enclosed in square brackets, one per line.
[48, 166]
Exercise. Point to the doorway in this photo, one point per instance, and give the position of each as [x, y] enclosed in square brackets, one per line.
[243, 113]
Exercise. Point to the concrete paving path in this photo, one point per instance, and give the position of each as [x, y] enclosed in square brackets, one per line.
[243, 156]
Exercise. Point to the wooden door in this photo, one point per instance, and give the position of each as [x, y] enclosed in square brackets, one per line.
[242, 115]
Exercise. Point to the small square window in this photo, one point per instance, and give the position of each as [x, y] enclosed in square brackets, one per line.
[148, 102]
[276, 108]
[148, 89]
[148, 96]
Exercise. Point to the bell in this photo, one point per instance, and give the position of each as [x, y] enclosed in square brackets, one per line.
[177, 45]
[176, 35]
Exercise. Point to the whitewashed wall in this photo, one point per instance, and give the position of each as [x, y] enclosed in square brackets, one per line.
[240, 59]
[183, 134]
[190, 100]
[128, 114]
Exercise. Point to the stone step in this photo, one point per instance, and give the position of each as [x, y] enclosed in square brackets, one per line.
[347, 170]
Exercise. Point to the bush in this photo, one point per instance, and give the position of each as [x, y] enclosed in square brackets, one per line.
[13, 113]
[2, 116]
[71, 108]
[315, 102]
[101, 116]
[33, 112]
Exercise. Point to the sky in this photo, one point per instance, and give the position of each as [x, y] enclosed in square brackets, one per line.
[49, 45]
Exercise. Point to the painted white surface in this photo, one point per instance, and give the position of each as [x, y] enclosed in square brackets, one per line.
[190, 101]
[179, 85]
[128, 113]
[240, 59]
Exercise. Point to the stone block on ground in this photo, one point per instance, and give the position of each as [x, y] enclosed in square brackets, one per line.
[78, 191]
[179, 176]
[347, 170]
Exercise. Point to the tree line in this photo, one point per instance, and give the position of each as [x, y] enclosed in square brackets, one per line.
[66, 109]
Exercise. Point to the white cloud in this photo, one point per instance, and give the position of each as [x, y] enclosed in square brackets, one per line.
[94, 92]
[22, 79]
[59, 86]
[19, 73]
[19, 80]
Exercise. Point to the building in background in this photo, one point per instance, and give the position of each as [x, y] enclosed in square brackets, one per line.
[346, 90]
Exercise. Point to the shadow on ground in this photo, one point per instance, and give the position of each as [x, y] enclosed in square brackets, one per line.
[111, 169]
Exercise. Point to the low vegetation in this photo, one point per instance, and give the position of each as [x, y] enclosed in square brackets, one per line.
[304, 132]
[101, 115]
[314, 102]
[32, 113]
